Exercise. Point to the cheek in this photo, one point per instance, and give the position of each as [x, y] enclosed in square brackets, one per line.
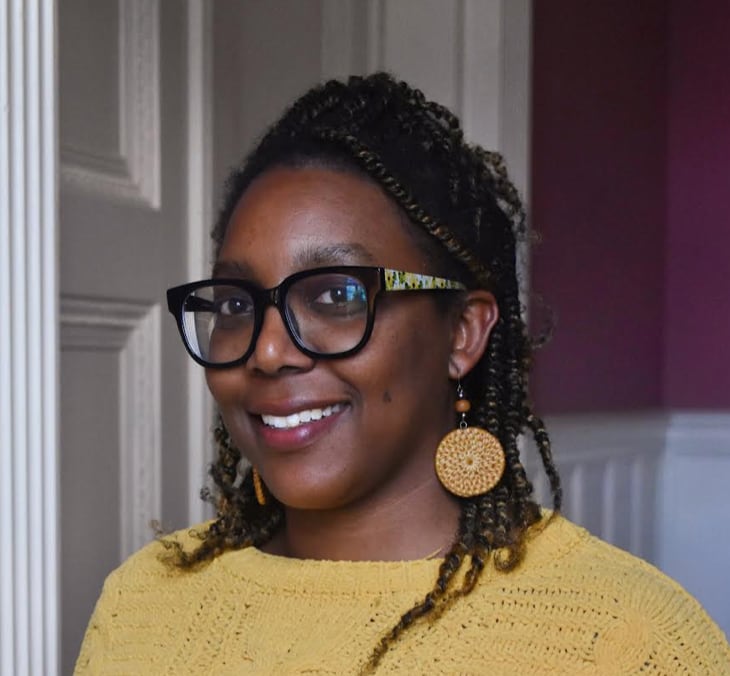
[415, 371]
[216, 382]
[224, 386]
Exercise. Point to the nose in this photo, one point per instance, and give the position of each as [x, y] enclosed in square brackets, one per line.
[275, 350]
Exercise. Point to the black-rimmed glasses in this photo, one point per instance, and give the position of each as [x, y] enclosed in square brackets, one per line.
[328, 312]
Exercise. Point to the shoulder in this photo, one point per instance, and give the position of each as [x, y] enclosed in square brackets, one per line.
[580, 561]
[621, 609]
[140, 592]
[151, 569]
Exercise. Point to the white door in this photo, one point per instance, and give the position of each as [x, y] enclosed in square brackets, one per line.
[123, 97]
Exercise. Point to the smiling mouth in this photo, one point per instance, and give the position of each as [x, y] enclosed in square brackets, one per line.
[300, 418]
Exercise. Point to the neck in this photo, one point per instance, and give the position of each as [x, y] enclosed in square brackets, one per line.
[415, 524]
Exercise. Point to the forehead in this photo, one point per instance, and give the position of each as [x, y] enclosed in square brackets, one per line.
[293, 219]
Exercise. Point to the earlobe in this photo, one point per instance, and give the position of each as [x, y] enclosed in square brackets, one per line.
[472, 328]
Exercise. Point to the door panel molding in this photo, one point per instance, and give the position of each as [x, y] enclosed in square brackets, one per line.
[132, 332]
[133, 174]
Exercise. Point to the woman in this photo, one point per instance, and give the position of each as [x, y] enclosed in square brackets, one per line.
[362, 336]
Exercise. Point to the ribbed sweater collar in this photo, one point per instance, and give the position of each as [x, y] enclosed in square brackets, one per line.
[306, 576]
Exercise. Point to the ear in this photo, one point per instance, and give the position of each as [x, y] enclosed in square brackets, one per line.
[472, 327]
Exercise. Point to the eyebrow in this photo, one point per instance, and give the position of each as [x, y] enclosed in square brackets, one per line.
[231, 269]
[310, 257]
[333, 254]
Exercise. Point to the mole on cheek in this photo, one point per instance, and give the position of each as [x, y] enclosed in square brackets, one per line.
[386, 397]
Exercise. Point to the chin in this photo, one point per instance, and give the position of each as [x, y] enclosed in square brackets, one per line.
[306, 501]
[315, 495]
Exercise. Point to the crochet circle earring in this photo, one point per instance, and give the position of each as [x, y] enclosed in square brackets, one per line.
[469, 460]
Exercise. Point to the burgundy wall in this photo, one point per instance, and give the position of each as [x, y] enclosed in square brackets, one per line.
[697, 348]
[598, 201]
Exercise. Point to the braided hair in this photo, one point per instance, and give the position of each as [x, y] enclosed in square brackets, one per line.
[470, 218]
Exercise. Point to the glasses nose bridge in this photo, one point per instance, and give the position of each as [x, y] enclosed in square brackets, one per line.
[273, 297]
[263, 299]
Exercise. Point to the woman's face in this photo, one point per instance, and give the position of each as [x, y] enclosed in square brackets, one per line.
[376, 417]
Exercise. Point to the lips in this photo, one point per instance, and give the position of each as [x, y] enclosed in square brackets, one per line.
[291, 426]
[299, 418]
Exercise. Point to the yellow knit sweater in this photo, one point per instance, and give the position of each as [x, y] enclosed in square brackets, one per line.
[575, 606]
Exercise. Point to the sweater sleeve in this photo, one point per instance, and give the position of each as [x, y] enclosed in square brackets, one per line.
[678, 638]
[96, 639]
[126, 606]
[660, 628]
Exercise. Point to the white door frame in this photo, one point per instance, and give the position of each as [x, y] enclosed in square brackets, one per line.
[28, 339]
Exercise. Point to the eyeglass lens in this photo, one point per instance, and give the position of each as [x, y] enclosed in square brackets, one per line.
[326, 314]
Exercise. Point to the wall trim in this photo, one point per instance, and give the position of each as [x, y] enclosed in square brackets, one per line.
[515, 121]
[610, 466]
[339, 39]
[603, 435]
[199, 217]
[29, 636]
[481, 63]
[699, 433]
[631, 477]
[132, 330]
[375, 40]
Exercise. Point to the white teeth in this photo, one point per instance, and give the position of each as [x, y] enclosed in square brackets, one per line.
[296, 419]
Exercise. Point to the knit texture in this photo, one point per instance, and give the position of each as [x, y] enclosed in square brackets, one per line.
[576, 605]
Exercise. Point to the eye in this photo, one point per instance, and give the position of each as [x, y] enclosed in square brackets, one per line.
[332, 295]
[234, 306]
[350, 292]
